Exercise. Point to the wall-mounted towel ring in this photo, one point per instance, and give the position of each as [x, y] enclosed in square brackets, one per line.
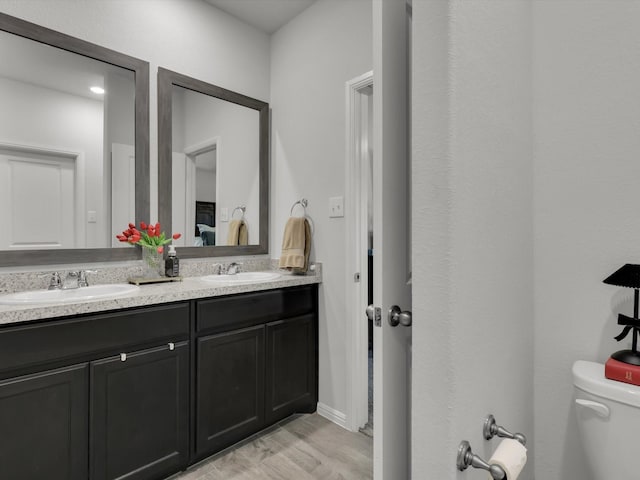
[303, 202]
[242, 209]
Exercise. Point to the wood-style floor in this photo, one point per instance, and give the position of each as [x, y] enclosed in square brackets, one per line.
[302, 448]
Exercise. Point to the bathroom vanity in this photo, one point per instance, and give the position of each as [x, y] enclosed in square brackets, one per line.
[143, 392]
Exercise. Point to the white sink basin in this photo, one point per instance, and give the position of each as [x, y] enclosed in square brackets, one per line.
[241, 277]
[92, 292]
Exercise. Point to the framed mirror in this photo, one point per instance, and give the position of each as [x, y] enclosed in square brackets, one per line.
[213, 170]
[74, 147]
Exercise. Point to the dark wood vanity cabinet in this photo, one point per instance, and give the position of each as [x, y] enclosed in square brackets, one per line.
[143, 393]
[250, 377]
[139, 413]
[291, 367]
[44, 425]
[229, 388]
[100, 396]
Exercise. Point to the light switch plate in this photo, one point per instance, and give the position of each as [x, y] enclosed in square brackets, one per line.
[224, 214]
[92, 216]
[336, 207]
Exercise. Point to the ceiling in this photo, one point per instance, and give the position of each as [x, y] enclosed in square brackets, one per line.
[265, 15]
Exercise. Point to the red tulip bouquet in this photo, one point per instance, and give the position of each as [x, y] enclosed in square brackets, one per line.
[148, 236]
[152, 240]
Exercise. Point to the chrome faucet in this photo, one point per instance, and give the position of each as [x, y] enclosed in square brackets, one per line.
[55, 282]
[233, 268]
[70, 281]
[76, 279]
[218, 269]
[82, 277]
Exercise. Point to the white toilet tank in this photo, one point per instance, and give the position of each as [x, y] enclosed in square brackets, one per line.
[608, 414]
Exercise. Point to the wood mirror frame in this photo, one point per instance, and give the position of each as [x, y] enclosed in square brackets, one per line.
[166, 81]
[140, 69]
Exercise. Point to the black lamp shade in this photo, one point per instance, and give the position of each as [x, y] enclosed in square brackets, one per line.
[626, 276]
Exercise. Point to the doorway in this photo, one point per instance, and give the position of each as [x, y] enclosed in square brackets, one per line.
[359, 208]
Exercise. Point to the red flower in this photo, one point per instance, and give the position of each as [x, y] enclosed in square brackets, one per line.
[148, 236]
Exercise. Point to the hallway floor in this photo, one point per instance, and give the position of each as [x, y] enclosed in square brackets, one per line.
[302, 448]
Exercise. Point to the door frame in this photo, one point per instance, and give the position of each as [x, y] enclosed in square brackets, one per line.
[191, 152]
[356, 248]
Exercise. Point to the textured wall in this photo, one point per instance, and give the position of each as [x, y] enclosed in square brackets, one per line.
[587, 118]
[472, 231]
[312, 58]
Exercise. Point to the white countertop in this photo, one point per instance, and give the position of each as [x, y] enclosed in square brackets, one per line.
[150, 294]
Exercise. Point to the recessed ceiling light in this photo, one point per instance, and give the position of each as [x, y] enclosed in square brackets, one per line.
[98, 90]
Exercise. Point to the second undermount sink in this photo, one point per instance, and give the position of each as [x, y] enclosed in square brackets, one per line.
[92, 292]
[242, 277]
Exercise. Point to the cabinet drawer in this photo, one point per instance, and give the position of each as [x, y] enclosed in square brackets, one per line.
[29, 345]
[246, 309]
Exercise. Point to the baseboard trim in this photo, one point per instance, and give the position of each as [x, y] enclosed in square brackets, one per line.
[333, 415]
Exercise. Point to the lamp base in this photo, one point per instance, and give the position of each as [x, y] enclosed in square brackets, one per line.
[627, 356]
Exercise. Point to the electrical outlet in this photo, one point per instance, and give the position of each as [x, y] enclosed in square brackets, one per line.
[336, 207]
[224, 214]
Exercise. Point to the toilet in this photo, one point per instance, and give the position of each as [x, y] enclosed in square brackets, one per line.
[608, 414]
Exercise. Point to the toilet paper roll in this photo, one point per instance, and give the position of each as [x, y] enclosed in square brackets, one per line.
[511, 455]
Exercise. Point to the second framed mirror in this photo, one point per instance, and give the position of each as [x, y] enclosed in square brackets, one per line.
[213, 167]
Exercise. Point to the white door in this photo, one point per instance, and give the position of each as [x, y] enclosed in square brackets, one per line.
[390, 214]
[40, 195]
[123, 190]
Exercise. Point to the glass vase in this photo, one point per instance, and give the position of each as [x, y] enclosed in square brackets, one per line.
[152, 262]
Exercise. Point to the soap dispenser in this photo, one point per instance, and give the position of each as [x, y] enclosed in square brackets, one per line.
[172, 263]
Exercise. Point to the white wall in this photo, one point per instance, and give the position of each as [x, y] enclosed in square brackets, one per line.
[472, 231]
[587, 118]
[312, 58]
[187, 36]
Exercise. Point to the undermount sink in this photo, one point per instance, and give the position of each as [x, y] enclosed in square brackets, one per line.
[241, 277]
[92, 292]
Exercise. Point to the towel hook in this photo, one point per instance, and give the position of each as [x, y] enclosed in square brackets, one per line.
[303, 202]
[242, 209]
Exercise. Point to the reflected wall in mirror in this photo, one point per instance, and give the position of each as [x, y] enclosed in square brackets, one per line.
[74, 147]
[213, 167]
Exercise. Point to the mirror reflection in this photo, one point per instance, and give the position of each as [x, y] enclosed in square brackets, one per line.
[213, 167]
[67, 148]
[215, 170]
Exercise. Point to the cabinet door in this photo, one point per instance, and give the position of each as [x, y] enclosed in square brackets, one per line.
[43, 425]
[229, 388]
[139, 414]
[291, 361]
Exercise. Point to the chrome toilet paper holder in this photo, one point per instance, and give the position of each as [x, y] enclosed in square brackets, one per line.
[491, 429]
[467, 458]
